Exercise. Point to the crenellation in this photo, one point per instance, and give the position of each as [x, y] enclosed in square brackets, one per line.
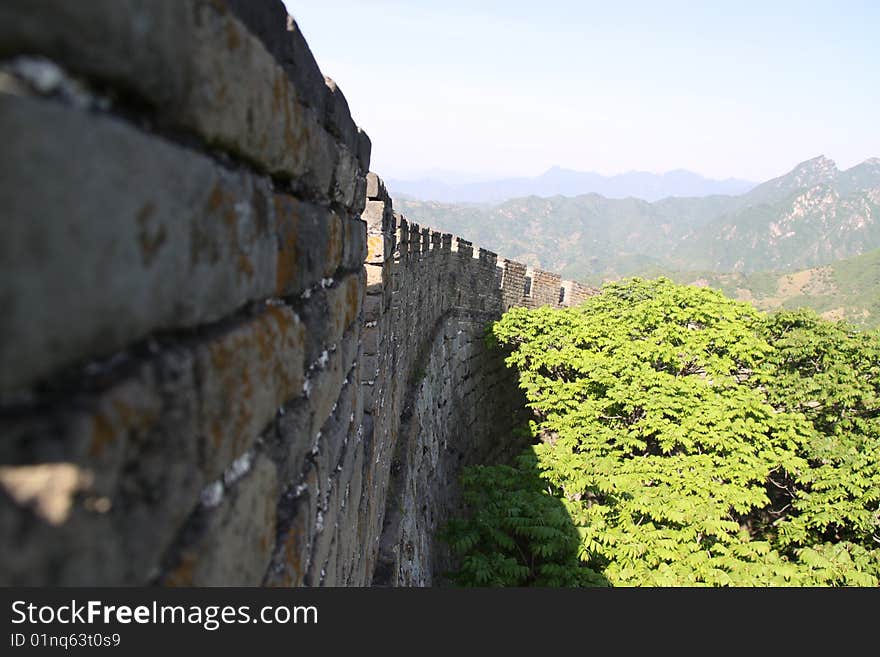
[577, 293]
[375, 188]
[363, 150]
[415, 238]
[488, 257]
[402, 233]
[465, 248]
[544, 289]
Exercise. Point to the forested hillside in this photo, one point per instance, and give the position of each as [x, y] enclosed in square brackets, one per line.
[844, 289]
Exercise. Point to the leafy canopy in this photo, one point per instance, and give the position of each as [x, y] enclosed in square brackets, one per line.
[683, 438]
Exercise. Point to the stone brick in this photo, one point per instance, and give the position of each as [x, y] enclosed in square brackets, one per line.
[344, 301]
[364, 149]
[371, 340]
[311, 244]
[545, 289]
[339, 426]
[298, 510]
[369, 367]
[280, 35]
[345, 496]
[338, 119]
[346, 177]
[325, 384]
[355, 249]
[376, 253]
[244, 376]
[238, 537]
[352, 472]
[136, 445]
[187, 244]
[376, 277]
[373, 215]
[376, 188]
[374, 308]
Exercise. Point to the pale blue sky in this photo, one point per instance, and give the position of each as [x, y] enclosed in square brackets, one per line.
[727, 89]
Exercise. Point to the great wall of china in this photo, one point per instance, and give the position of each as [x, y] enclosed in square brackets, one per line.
[224, 358]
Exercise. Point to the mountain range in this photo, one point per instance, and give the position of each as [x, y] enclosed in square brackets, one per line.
[565, 182]
[808, 218]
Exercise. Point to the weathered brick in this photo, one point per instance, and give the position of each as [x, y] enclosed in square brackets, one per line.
[364, 150]
[189, 243]
[245, 375]
[338, 118]
[311, 243]
[355, 249]
[344, 301]
[136, 444]
[325, 384]
[373, 215]
[374, 308]
[376, 188]
[293, 551]
[237, 540]
[376, 276]
[281, 36]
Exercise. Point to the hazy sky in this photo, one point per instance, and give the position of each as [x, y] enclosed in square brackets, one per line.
[503, 87]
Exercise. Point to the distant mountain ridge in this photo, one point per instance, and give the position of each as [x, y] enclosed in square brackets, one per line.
[557, 181]
[811, 216]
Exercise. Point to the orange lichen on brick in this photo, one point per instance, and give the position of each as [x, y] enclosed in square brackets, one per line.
[248, 376]
[292, 124]
[245, 265]
[102, 435]
[288, 247]
[216, 198]
[292, 551]
[216, 433]
[353, 293]
[233, 40]
[183, 574]
[230, 218]
[235, 390]
[334, 243]
[114, 420]
[219, 6]
[150, 239]
[264, 338]
[277, 93]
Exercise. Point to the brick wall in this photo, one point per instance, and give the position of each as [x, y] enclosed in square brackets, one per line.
[224, 358]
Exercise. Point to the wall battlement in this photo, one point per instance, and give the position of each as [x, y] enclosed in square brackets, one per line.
[542, 288]
[224, 357]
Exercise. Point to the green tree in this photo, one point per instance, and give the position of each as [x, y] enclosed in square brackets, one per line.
[690, 440]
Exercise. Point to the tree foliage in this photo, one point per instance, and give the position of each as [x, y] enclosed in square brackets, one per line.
[682, 439]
